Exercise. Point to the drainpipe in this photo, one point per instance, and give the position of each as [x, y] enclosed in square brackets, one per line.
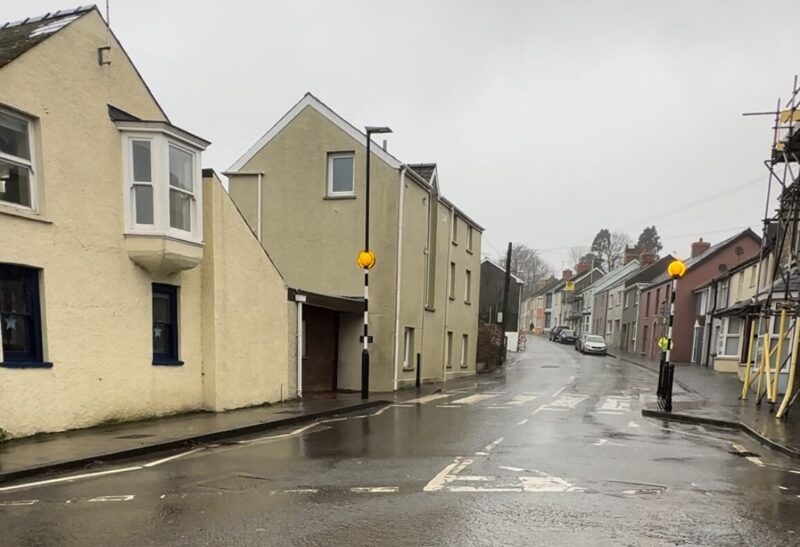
[711, 324]
[449, 239]
[260, 205]
[299, 298]
[398, 272]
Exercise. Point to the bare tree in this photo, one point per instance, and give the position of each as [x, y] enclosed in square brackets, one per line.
[616, 250]
[577, 254]
[528, 266]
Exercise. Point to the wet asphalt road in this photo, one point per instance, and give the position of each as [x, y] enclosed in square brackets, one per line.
[552, 452]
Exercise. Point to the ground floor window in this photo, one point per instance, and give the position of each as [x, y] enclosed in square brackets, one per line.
[165, 325]
[730, 336]
[20, 315]
[449, 356]
[464, 346]
[408, 348]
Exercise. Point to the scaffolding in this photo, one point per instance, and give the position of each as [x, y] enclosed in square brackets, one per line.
[774, 322]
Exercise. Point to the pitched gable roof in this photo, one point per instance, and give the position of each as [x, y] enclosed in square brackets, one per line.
[19, 36]
[424, 170]
[499, 267]
[648, 273]
[310, 101]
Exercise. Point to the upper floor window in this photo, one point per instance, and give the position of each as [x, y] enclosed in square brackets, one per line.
[455, 230]
[162, 180]
[469, 239]
[341, 174]
[467, 286]
[17, 180]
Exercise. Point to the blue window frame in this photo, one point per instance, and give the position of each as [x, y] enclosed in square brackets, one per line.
[20, 317]
[165, 325]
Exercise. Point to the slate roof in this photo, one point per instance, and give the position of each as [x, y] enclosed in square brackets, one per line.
[19, 36]
[424, 170]
[648, 273]
[711, 251]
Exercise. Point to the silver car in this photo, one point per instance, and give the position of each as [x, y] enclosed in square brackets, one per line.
[594, 344]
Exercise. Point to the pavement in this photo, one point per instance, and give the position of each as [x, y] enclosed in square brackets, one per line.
[54, 452]
[707, 397]
[552, 451]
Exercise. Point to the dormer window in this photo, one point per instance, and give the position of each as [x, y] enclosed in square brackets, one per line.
[17, 181]
[162, 181]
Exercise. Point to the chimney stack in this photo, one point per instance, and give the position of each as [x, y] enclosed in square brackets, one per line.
[582, 268]
[647, 258]
[699, 247]
[566, 275]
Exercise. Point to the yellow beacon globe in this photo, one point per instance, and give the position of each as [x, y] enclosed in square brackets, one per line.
[366, 260]
[676, 268]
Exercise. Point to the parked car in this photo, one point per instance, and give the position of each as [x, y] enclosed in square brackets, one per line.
[579, 342]
[594, 344]
[554, 332]
[566, 336]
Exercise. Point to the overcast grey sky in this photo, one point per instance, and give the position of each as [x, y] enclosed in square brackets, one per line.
[548, 119]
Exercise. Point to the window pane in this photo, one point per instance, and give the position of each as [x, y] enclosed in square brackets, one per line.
[734, 325]
[16, 333]
[14, 136]
[144, 204]
[13, 298]
[141, 161]
[161, 311]
[162, 337]
[342, 180]
[180, 214]
[180, 169]
[15, 184]
[732, 345]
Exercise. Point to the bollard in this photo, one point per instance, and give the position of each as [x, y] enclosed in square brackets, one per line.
[419, 369]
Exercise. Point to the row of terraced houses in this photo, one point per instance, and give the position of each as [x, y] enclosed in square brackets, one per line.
[629, 306]
[137, 282]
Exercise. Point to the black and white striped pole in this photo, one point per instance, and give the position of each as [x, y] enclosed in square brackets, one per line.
[676, 270]
[366, 260]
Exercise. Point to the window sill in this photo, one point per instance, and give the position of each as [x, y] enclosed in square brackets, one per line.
[469, 251]
[347, 196]
[449, 367]
[452, 298]
[467, 302]
[454, 243]
[20, 212]
[464, 367]
[167, 363]
[428, 308]
[25, 364]
[407, 369]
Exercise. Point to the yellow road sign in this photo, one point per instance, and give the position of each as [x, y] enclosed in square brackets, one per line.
[664, 343]
[366, 260]
[569, 286]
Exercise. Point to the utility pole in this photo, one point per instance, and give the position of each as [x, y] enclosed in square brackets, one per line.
[506, 287]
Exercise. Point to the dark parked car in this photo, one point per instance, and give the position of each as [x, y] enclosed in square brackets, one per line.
[554, 332]
[566, 336]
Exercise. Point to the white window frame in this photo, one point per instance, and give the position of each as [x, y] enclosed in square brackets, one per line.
[725, 333]
[23, 162]
[338, 155]
[464, 346]
[160, 143]
[469, 238]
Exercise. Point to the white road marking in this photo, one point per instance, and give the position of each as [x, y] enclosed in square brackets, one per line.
[400, 405]
[429, 398]
[559, 392]
[515, 469]
[284, 435]
[173, 457]
[472, 399]
[447, 406]
[782, 487]
[551, 409]
[523, 422]
[374, 489]
[738, 447]
[620, 404]
[124, 497]
[795, 471]
[481, 453]
[569, 401]
[296, 491]
[498, 407]
[547, 483]
[492, 445]
[571, 378]
[600, 442]
[438, 482]
[632, 424]
[757, 461]
[482, 489]
[520, 400]
[609, 412]
[16, 503]
[69, 479]
[473, 478]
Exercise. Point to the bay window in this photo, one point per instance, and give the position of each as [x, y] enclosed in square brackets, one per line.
[162, 182]
[17, 181]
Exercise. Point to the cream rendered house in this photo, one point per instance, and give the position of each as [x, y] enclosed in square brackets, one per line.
[130, 285]
[301, 188]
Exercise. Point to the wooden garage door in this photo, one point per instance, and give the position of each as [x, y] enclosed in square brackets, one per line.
[321, 342]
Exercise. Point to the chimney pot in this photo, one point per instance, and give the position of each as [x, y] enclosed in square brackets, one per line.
[566, 274]
[699, 247]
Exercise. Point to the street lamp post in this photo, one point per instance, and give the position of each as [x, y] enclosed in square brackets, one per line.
[676, 270]
[366, 260]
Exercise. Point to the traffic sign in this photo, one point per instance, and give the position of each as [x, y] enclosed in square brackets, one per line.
[664, 343]
[569, 286]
